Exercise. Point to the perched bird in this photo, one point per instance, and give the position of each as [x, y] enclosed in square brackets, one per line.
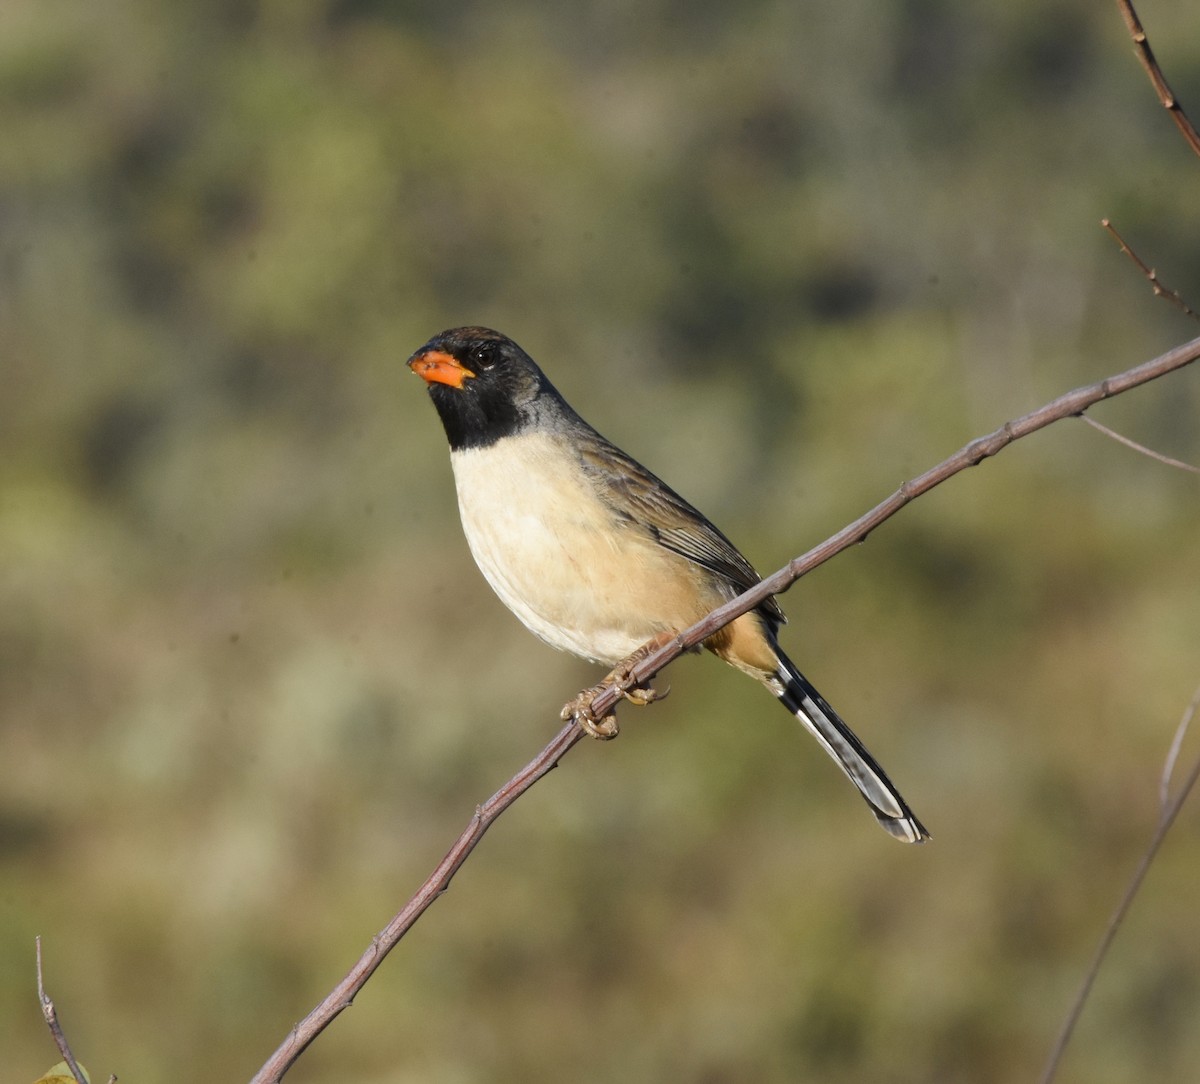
[595, 554]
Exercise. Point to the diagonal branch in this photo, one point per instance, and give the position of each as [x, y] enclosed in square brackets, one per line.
[1165, 94]
[50, 1015]
[1168, 810]
[1151, 275]
[343, 994]
[1065, 406]
[1120, 439]
[1164, 783]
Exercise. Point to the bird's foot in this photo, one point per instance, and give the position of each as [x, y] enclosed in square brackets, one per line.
[580, 709]
[641, 695]
[636, 692]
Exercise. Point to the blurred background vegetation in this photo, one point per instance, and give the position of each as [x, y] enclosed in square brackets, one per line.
[788, 254]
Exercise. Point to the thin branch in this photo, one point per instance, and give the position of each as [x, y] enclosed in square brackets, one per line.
[1164, 784]
[1169, 810]
[50, 1015]
[1159, 289]
[1065, 406]
[1166, 96]
[1139, 447]
[342, 995]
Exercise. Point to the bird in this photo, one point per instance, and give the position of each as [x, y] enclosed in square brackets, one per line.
[599, 557]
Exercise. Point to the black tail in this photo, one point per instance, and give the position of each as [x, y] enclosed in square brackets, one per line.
[839, 741]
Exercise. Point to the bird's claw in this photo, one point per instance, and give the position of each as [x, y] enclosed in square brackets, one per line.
[601, 729]
[580, 709]
[606, 728]
[641, 695]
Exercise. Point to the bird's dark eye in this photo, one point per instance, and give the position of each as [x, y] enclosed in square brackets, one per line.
[484, 356]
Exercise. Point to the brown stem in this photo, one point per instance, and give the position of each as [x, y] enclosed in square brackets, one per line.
[1065, 406]
[50, 1015]
[1151, 275]
[1162, 88]
[342, 995]
[1169, 810]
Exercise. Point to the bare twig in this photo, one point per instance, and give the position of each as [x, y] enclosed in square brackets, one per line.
[342, 995]
[1139, 447]
[50, 1015]
[1168, 811]
[1159, 289]
[1164, 783]
[1166, 96]
[1065, 406]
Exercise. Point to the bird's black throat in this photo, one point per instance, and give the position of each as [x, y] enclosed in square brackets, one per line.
[475, 417]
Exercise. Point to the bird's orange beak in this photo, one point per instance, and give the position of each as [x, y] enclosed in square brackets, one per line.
[438, 367]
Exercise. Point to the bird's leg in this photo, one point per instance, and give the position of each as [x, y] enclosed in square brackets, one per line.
[640, 693]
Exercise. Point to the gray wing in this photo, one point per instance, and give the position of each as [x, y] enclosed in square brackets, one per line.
[635, 494]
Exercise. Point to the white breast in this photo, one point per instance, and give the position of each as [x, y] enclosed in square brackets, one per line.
[557, 557]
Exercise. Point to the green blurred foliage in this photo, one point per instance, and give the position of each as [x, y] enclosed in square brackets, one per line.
[789, 254]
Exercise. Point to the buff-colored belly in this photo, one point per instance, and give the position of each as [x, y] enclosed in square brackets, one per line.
[582, 579]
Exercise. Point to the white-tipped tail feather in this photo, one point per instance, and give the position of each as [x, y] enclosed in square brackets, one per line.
[841, 743]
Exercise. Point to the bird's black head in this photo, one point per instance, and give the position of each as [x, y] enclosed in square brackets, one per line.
[483, 384]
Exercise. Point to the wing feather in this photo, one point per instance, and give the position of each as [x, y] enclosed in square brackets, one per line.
[636, 495]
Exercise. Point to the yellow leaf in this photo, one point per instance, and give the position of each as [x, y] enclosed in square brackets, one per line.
[60, 1074]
